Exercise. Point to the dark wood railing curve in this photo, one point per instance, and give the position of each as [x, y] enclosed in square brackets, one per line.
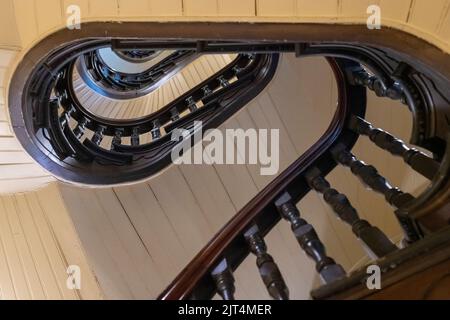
[262, 204]
[211, 271]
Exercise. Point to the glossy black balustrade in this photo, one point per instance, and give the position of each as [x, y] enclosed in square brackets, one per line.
[115, 84]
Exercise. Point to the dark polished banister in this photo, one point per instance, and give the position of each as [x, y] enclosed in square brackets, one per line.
[262, 208]
[288, 189]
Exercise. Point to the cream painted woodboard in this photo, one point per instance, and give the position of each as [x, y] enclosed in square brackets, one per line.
[349, 10]
[17, 171]
[444, 30]
[426, 16]
[280, 8]
[36, 247]
[398, 10]
[23, 248]
[200, 8]
[9, 35]
[82, 4]
[240, 8]
[18, 185]
[166, 8]
[15, 157]
[103, 8]
[27, 23]
[146, 264]
[154, 228]
[99, 251]
[356, 8]
[38, 252]
[313, 8]
[121, 257]
[7, 58]
[184, 214]
[3, 114]
[55, 263]
[48, 14]
[5, 130]
[15, 285]
[10, 144]
[134, 8]
[63, 229]
[3, 80]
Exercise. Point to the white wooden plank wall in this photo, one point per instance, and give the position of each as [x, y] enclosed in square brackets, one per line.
[37, 244]
[30, 19]
[18, 171]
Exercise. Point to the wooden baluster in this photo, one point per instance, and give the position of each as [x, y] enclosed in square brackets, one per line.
[80, 128]
[117, 139]
[251, 56]
[371, 178]
[97, 138]
[268, 269]
[376, 243]
[191, 104]
[309, 241]
[420, 162]
[237, 70]
[174, 115]
[206, 91]
[156, 131]
[65, 117]
[394, 92]
[135, 139]
[224, 279]
[223, 82]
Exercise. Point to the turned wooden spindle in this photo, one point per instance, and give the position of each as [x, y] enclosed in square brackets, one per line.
[237, 70]
[309, 241]
[65, 117]
[156, 130]
[80, 128]
[267, 267]
[371, 178]
[394, 92]
[97, 138]
[224, 280]
[223, 82]
[376, 243]
[135, 139]
[191, 104]
[174, 115]
[206, 91]
[418, 161]
[117, 139]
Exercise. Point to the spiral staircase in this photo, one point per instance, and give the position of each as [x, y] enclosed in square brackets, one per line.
[87, 179]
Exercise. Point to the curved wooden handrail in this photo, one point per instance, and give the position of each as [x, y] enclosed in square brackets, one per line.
[191, 282]
[184, 283]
